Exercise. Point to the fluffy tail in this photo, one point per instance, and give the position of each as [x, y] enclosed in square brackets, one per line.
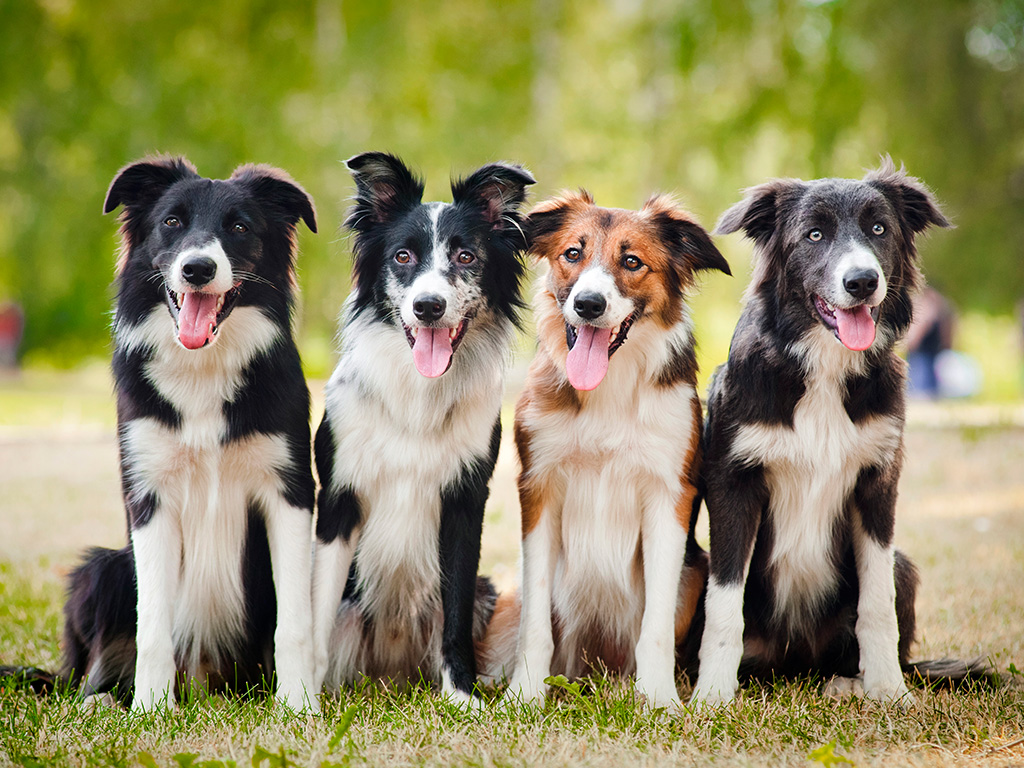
[952, 673]
[39, 680]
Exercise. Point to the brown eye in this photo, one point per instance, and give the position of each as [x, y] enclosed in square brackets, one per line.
[239, 228]
[814, 235]
[573, 254]
[172, 221]
[631, 262]
[403, 257]
[465, 257]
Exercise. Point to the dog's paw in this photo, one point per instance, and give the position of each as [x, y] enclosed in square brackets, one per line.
[841, 687]
[98, 701]
[520, 692]
[890, 691]
[297, 699]
[462, 700]
[712, 695]
[661, 695]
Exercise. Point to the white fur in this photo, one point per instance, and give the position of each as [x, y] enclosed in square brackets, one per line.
[188, 557]
[597, 279]
[856, 257]
[721, 646]
[877, 631]
[400, 438]
[611, 501]
[223, 278]
[810, 471]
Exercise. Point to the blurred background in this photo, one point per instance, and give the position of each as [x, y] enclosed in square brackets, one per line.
[624, 97]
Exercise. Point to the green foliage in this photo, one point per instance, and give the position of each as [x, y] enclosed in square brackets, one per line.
[623, 98]
[826, 755]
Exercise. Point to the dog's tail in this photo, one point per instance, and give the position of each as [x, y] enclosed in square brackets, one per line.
[39, 680]
[952, 673]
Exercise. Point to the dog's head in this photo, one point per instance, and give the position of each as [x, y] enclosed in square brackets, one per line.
[433, 268]
[205, 246]
[612, 268]
[842, 249]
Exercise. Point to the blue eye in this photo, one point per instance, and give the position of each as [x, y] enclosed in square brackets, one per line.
[878, 229]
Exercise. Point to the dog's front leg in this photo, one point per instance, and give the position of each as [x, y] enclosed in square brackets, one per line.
[331, 564]
[665, 520]
[157, 549]
[877, 629]
[735, 500]
[289, 530]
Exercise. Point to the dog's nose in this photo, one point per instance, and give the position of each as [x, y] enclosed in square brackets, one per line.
[428, 308]
[589, 306]
[199, 271]
[860, 283]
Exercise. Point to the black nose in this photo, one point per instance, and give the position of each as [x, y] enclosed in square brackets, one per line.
[199, 271]
[428, 307]
[860, 283]
[589, 306]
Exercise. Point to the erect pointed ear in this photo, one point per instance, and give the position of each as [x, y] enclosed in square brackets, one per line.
[279, 191]
[497, 189]
[914, 203]
[549, 216]
[385, 188]
[757, 213]
[686, 240]
[139, 185]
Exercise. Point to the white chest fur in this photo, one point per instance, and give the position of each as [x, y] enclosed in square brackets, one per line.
[811, 469]
[203, 485]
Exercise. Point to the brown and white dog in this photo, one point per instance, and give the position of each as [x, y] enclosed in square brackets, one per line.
[609, 450]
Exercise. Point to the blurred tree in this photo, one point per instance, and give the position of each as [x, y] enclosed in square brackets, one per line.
[624, 97]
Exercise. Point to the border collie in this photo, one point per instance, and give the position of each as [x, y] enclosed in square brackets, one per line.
[608, 431]
[213, 421]
[805, 439]
[411, 429]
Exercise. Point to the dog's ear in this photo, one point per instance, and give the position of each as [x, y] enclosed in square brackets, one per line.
[757, 213]
[138, 185]
[385, 188]
[914, 203]
[549, 216]
[279, 191]
[687, 241]
[497, 189]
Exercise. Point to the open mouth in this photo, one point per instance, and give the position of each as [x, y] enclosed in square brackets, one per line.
[198, 315]
[853, 326]
[433, 348]
[589, 350]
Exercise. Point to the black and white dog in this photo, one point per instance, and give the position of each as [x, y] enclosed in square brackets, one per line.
[411, 430]
[805, 438]
[213, 421]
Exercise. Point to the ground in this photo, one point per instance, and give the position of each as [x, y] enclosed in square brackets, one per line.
[960, 517]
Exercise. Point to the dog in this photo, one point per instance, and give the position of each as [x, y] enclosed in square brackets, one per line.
[411, 427]
[213, 425]
[804, 439]
[608, 432]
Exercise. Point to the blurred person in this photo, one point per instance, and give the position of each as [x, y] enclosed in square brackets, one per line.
[12, 326]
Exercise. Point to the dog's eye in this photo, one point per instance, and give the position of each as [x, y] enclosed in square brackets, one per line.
[172, 221]
[631, 262]
[465, 257]
[239, 228]
[814, 235]
[403, 257]
[878, 229]
[573, 254]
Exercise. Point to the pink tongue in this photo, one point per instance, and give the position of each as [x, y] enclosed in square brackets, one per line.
[197, 318]
[432, 351]
[587, 362]
[856, 328]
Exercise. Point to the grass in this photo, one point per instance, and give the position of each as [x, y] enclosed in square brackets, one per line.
[961, 517]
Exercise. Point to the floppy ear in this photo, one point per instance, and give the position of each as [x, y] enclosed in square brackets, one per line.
[757, 213]
[687, 241]
[385, 188]
[913, 202]
[497, 189]
[549, 216]
[278, 190]
[139, 185]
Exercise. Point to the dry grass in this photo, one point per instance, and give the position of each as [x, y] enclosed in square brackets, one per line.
[961, 519]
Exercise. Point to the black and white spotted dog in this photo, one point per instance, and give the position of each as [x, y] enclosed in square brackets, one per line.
[411, 430]
[805, 438]
[213, 421]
